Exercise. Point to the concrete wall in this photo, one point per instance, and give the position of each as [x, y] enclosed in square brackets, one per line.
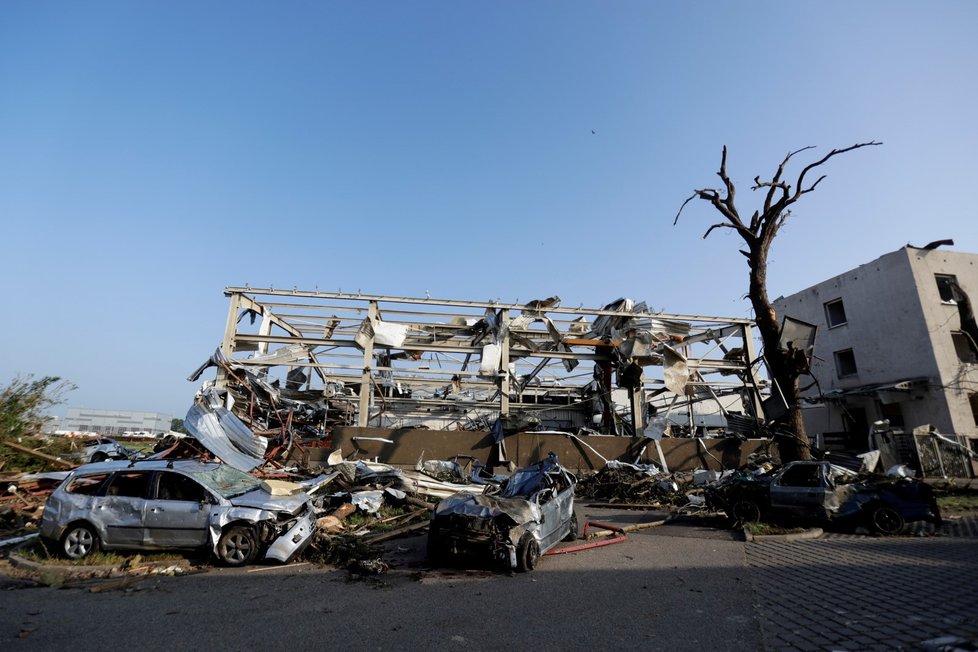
[409, 445]
[898, 329]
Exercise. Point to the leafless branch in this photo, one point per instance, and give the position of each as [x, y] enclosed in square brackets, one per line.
[786, 189]
[731, 189]
[679, 212]
[821, 161]
[721, 225]
[813, 185]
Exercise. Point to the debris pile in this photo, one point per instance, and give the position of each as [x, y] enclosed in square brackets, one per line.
[22, 497]
[632, 484]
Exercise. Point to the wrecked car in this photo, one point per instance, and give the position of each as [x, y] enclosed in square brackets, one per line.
[514, 524]
[815, 491]
[183, 504]
[104, 448]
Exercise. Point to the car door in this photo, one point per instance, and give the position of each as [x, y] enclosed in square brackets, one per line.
[799, 491]
[119, 510]
[177, 513]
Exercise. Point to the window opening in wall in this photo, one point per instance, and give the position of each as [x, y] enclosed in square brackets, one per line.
[892, 412]
[845, 363]
[944, 282]
[835, 313]
[964, 346]
[973, 398]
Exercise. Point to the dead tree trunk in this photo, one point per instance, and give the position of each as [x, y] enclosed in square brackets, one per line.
[785, 366]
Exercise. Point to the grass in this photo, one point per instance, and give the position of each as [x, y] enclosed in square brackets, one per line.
[761, 529]
[958, 502]
[37, 552]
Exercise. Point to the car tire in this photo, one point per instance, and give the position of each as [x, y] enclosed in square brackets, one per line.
[746, 511]
[79, 541]
[237, 546]
[527, 553]
[886, 520]
[435, 551]
[573, 532]
[98, 457]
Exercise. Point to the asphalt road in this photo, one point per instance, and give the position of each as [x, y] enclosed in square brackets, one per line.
[668, 588]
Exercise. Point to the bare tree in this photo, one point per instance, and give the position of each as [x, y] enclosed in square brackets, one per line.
[784, 365]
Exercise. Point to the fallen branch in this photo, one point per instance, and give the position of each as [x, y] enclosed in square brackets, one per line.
[38, 454]
[393, 534]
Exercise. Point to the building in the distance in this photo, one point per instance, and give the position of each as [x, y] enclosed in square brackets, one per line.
[114, 422]
[896, 340]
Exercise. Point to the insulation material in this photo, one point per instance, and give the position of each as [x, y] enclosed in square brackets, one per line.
[675, 370]
[491, 356]
[384, 333]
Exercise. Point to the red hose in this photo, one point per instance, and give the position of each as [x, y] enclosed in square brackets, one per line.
[594, 544]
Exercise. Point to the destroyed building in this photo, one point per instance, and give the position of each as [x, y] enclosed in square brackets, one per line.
[397, 378]
[897, 342]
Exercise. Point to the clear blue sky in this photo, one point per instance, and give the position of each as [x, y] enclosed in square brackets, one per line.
[152, 153]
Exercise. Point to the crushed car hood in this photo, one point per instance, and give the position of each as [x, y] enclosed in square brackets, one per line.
[261, 499]
[517, 510]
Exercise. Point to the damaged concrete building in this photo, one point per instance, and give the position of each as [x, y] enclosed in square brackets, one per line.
[896, 343]
[399, 378]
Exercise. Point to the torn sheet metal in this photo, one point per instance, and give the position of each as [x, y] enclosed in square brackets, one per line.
[226, 436]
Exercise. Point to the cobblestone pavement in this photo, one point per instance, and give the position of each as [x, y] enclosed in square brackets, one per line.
[865, 593]
[954, 525]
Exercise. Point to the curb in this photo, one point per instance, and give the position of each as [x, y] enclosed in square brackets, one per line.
[812, 533]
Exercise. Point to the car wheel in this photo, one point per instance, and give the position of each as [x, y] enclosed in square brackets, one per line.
[887, 520]
[98, 457]
[573, 532]
[527, 553]
[237, 546]
[79, 541]
[746, 511]
[436, 553]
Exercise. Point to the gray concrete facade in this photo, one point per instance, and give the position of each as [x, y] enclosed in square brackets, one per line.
[113, 422]
[890, 344]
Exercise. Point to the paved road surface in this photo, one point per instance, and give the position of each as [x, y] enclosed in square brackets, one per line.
[677, 587]
[652, 592]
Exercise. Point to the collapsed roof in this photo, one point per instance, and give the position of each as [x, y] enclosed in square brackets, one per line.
[297, 362]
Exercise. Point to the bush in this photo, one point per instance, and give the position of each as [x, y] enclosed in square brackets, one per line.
[23, 402]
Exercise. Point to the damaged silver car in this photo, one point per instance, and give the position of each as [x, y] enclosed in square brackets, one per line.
[154, 505]
[530, 513]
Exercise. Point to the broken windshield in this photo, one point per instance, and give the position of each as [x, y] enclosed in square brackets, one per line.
[227, 481]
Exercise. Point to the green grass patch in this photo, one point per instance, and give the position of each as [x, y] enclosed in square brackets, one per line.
[761, 529]
[38, 552]
[958, 502]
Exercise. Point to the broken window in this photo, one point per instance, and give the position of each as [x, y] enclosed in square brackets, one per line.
[802, 475]
[86, 484]
[973, 399]
[845, 363]
[835, 313]
[892, 412]
[945, 287]
[173, 486]
[964, 346]
[130, 484]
